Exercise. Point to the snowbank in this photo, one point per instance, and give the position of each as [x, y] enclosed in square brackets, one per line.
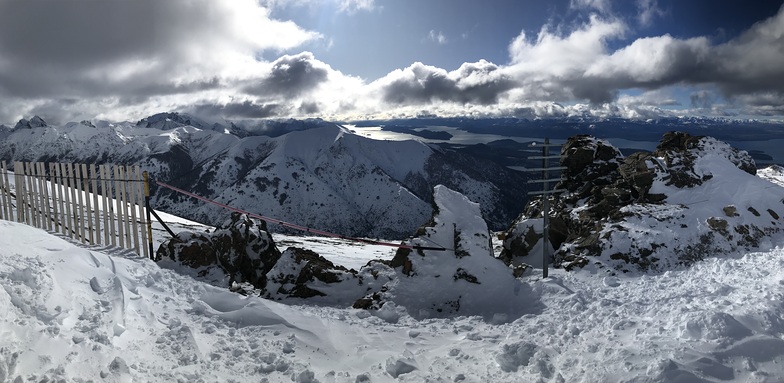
[80, 314]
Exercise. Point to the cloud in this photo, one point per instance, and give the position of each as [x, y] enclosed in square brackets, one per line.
[292, 76]
[702, 99]
[354, 6]
[580, 65]
[238, 110]
[479, 83]
[71, 59]
[437, 37]
[112, 47]
[599, 5]
[658, 98]
[349, 7]
[648, 11]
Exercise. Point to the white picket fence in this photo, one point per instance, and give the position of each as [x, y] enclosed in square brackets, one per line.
[103, 205]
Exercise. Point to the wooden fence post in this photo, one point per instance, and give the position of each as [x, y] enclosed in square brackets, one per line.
[131, 182]
[72, 211]
[108, 210]
[44, 184]
[55, 197]
[3, 209]
[31, 200]
[96, 215]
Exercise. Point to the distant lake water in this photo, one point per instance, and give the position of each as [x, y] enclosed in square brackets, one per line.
[773, 148]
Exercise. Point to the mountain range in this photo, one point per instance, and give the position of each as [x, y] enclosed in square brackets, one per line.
[309, 172]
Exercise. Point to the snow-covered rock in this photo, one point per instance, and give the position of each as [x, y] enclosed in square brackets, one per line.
[463, 278]
[691, 198]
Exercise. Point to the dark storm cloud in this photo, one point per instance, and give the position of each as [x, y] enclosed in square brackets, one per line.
[111, 48]
[478, 83]
[308, 108]
[245, 109]
[702, 99]
[291, 76]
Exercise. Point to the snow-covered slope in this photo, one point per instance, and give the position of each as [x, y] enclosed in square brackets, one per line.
[81, 314]
[321, 176]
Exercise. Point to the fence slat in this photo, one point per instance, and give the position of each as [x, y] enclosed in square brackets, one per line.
[31, 195]
[96, 214]
[80, 197]
[54, 189]
[124, 199]
[61, 191]
[3, 208]
[132, 181]
[21, 193]
[8, 198]
[142, 212]
[88, 213]
[108, 210]
[73, 210]
[118, 203]
[44, 183]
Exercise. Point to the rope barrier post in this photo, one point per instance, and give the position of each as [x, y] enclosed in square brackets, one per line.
[147, 207]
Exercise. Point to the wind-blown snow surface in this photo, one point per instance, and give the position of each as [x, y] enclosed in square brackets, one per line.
[82, 314]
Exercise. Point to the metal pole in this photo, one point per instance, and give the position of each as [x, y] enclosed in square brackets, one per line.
[147, 206]
[545, 206]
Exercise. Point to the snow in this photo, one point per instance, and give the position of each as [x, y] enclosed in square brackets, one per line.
[76, 313]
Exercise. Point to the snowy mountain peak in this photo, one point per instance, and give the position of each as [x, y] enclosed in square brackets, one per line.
[35, 122]
[173, 120]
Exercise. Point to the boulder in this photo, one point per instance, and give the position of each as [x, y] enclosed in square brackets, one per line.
[302, 273]
[241, 248]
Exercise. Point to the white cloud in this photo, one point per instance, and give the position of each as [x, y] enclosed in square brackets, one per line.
[554, 55]
[354, 6]
[436, 37]
[599, 5]
[648, 11]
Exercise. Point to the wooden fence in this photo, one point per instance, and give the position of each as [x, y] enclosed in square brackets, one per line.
[103, 205]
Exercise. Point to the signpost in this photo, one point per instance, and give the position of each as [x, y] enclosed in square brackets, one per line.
[546, 180]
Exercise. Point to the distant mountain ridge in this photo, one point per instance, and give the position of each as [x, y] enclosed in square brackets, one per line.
[312, 172]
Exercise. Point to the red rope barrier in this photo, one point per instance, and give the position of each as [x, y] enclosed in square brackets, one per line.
[295, 226]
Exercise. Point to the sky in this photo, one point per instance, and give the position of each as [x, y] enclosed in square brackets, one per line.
[68, 60]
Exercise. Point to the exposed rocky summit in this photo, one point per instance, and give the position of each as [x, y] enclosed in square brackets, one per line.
[692, 197]
[35, 122]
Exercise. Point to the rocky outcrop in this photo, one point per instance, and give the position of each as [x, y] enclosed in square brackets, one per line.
[462, 278]
[301, 273]
[686, 200]
[242, 255]
[241, 248]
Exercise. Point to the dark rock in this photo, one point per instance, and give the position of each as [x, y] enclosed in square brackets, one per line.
[241, 248]
[730, 211]
[298, 271]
